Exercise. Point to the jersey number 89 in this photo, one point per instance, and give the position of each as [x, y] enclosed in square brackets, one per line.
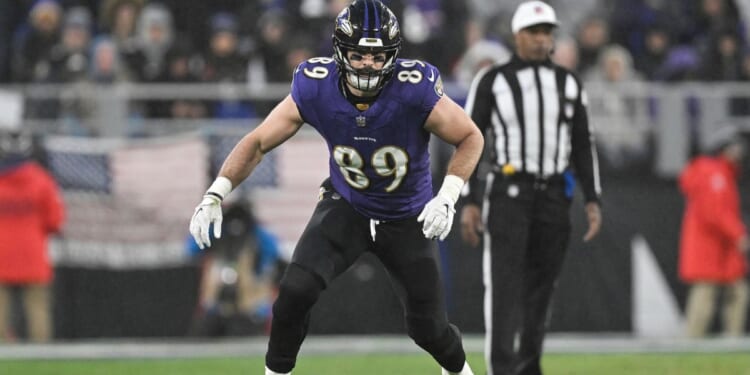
[386, 161]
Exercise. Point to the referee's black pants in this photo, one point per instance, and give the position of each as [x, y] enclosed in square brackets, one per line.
[528, 229]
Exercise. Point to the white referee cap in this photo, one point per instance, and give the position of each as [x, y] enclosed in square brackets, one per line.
[532, 13]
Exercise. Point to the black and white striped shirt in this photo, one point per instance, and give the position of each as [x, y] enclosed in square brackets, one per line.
[536, 115]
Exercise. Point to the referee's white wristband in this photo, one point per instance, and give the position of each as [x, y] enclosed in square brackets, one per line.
[220, 188]
[451, 187]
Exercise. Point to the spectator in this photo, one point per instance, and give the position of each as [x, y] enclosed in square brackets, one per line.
[482, 52]
[300, 49]
[224, 63]
[722, 59]
[431, 24]
[624, 124]
[714, 240]
[630, 19]
[183, 66]
[565, 53]
[722, 62]
[155, 35]
[30, 210]
[592, 37]
[274, 30]
[34, 43]
[239, 273]
[70, 58]
[106, 66]
[480, 55]
[70, 64]
[223, 60]
[11, 15]
[710, 17]
[575, 12]
[65, 62]
[310, 17]
[84, 113]
[118, 18]
[657, 43]
[190, 16]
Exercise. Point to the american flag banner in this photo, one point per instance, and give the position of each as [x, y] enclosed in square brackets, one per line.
[302, 165]
[129, 201]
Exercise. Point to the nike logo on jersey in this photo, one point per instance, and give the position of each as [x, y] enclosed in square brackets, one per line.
[431, 78]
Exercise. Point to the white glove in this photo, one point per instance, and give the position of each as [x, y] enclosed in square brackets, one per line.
[437, 214]
[438, 217]
[209, 212]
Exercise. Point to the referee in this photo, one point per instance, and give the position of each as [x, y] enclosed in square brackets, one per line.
[535, 111]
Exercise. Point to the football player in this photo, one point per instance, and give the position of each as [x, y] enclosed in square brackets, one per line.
[376, 113]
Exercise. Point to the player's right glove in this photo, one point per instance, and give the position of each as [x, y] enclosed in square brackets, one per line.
[209, 212]
[437, 215]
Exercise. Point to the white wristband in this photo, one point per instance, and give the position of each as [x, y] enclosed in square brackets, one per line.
[221, 187]
[451, 187]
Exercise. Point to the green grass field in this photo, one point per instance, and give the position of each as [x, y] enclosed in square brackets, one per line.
[384, 364]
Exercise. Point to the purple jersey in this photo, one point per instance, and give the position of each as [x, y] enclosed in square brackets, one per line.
[379, 159]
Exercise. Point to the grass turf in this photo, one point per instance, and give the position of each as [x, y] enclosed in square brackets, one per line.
[393, 364]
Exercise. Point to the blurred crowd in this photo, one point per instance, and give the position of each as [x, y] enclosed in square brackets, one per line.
[261, 41]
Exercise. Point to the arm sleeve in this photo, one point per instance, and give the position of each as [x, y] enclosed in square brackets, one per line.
[479, 104]
[583, 153]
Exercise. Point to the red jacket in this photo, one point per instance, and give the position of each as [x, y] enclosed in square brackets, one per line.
[30, 209]
[712, 224]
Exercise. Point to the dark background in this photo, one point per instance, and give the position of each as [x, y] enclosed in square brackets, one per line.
[594, 292]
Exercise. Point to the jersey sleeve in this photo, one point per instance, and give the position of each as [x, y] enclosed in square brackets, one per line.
[307, 83]
[300, 90]
[421, 81]
[435, 89]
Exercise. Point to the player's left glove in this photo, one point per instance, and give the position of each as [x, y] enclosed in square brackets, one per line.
[209, 212]
[437, 214]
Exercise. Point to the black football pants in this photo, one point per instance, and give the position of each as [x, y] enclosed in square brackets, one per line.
[333, 240]
[528, 228]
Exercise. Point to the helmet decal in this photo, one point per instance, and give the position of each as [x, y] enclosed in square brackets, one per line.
[343, 24]
[393, 29]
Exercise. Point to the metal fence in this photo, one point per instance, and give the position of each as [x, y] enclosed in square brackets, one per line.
[655, 123]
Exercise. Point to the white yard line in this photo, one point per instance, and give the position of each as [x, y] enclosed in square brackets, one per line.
[327, 345]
